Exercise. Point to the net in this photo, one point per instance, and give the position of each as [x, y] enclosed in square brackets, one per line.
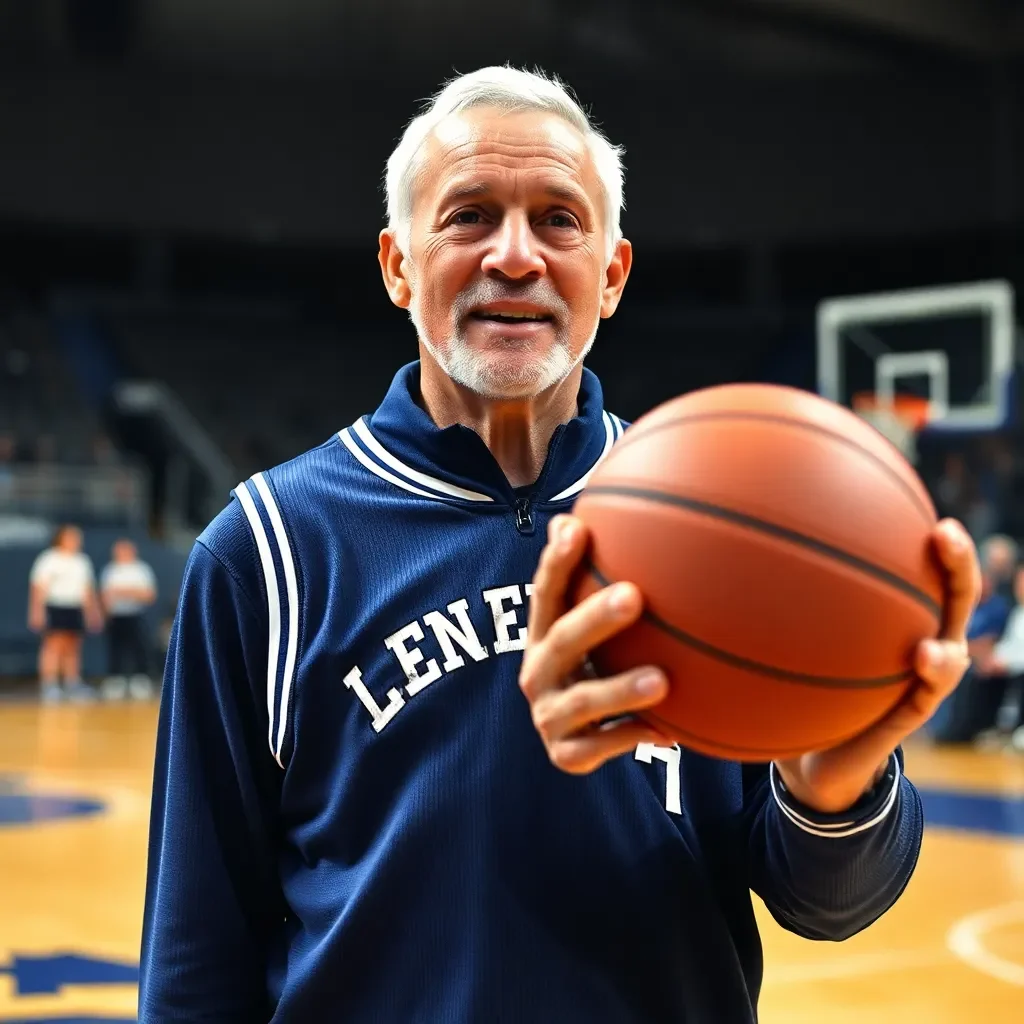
[899, 418]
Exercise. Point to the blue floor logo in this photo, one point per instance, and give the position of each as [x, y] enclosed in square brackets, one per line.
[67, 1020]
[28, 809]
[47, 975]
[18, 807]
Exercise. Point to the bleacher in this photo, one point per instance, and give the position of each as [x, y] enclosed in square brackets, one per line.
[265, 387]
[57, 464]
[41, 406]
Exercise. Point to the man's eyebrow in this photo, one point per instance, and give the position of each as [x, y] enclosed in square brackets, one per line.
[470, 191]
[566, 194]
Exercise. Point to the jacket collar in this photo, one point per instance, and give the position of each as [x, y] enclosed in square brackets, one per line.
[401, 443]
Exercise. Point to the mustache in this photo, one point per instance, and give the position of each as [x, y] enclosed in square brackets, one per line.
[539, 292]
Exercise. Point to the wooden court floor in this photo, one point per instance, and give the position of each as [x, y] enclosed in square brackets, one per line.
[74, 804]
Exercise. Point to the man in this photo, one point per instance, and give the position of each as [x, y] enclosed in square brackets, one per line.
[128, 588]
[357, 816]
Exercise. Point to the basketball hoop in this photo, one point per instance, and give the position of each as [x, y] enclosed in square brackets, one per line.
[898, 419]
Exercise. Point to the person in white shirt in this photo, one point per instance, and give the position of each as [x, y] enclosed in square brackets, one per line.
[62, 604]
[128, 588]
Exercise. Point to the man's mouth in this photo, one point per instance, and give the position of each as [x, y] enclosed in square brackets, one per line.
[510, 317]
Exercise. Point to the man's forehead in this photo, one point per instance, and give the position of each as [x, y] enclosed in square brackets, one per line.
[479, 126]
[478, 140]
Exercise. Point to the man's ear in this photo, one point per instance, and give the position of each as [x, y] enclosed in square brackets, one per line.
[393, 269]
[615, 277]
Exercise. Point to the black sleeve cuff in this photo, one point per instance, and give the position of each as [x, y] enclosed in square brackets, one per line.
[872, 808]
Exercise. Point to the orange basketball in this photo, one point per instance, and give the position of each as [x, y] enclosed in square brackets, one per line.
[782, 547]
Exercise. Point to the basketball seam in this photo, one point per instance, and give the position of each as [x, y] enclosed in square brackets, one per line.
[929, 514]
[674, 729]
[761, 668]
[773, 529]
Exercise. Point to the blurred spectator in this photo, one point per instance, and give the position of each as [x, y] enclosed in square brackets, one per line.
[999, 555]
[128, 588]
[46, 450]
[953, 491]
[103, 451]
[972, 708]
[1006, 662]
[8, 451]
[62, 603]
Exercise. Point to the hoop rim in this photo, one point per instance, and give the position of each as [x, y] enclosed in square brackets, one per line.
[913, 411]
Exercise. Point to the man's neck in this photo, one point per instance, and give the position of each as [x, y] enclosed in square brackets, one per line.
[517, 433]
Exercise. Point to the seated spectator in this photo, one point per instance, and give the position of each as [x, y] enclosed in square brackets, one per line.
[999, 555]
[103, 451]
[972, 707]
[1005, 662]
[8, 449]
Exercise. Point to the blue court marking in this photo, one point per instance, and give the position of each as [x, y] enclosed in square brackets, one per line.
[47, 975]
[988, 813]
[31, 808]
[67, 1020]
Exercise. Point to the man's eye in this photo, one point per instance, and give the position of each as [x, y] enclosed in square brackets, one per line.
[561, 220]
[466, 217]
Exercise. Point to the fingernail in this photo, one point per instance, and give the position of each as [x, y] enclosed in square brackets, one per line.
[565, 535]
[954, 537]
[934, 653]
[620, 598]
[649, 683]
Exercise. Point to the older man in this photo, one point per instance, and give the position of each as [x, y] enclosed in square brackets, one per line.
[378, 798]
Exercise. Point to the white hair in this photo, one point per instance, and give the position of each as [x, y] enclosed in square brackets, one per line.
[510, 90]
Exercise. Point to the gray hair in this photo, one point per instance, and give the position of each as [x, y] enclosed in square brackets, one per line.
[510, 90]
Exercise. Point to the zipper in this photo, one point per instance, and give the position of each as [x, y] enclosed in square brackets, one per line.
[524, 517]
[523, 507]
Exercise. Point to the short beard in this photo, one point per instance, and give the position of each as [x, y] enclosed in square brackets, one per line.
[511, 381]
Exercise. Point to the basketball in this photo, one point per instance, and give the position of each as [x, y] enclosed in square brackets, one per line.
[782, 546]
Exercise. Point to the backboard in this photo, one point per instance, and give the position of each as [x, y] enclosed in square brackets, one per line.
[953, 345]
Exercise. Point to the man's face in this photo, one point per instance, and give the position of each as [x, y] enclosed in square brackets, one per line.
[508, 272]
[1000, 562]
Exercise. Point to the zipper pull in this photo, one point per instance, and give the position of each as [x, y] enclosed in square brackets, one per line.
[524, 517]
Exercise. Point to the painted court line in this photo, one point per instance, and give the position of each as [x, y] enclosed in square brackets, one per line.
[966, 941]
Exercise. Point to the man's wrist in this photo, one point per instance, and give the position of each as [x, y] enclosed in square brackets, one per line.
[874, 804]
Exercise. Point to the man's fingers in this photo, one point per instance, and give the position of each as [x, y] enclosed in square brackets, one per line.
[565, 547]
[940, 665]
[579, 755]
[560, 713]
[548, 662]
[958, 555]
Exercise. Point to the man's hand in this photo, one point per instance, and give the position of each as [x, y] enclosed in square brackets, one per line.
[568, 706]
[833, 780]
